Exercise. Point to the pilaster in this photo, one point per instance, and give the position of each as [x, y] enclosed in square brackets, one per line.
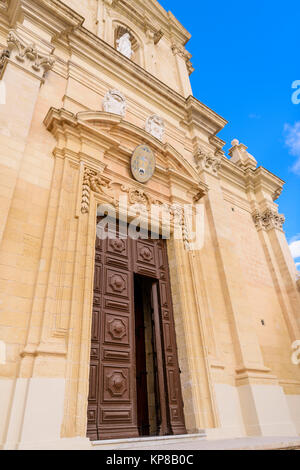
[248, 353]
[263, 189]
[23, 69]
[184, 68]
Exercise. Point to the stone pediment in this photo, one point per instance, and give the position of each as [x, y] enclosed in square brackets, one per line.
[167, 157]
[109, 138]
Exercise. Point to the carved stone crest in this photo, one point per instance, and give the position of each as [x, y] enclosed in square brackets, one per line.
[155, 126]
[114, 102]
[143, 163]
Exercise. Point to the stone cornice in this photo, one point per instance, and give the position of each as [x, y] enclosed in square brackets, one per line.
[198, 114]
[53, 15]
[252, 179]
[262, 179]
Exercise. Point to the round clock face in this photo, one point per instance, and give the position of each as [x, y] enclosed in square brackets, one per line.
[143, 163]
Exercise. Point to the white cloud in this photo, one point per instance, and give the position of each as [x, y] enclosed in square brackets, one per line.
[254, 116]
[292, 140]
[295, 247]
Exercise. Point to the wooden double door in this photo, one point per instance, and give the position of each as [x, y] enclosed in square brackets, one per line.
[134, 374]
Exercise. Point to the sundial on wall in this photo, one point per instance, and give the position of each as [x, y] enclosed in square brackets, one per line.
[143, 163]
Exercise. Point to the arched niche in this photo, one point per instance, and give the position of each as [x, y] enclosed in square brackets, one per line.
[119, 29]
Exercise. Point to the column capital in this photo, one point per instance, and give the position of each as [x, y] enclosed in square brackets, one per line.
[180, 50]
[26, 56]
[206, 160]
[268, 219]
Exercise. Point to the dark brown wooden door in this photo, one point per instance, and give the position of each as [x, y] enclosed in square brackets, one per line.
[114, 371]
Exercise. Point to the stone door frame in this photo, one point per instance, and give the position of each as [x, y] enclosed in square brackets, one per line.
[81, 181]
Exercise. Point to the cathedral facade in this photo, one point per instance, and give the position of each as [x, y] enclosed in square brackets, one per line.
[187, 328]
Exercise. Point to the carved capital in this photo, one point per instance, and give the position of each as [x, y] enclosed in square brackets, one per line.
[208, 161]
[27, 55]
[184, 54]
[158, 36]
[268, 219]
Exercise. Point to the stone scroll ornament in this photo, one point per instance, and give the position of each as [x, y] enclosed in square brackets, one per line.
[155, 126]
[114, 102]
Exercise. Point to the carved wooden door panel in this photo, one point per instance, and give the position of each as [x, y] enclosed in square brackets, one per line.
[172, 371]
[112, 407]
[111, 410]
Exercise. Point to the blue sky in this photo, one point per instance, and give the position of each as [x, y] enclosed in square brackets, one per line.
[246, 56]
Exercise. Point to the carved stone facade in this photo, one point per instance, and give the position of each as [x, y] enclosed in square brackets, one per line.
[235, 298]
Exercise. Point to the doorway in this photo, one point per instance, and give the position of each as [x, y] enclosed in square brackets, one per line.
[148, 407]
[135, 387]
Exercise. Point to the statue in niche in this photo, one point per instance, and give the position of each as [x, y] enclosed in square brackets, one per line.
[155, 126]
[124, 45]
[114, 102]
